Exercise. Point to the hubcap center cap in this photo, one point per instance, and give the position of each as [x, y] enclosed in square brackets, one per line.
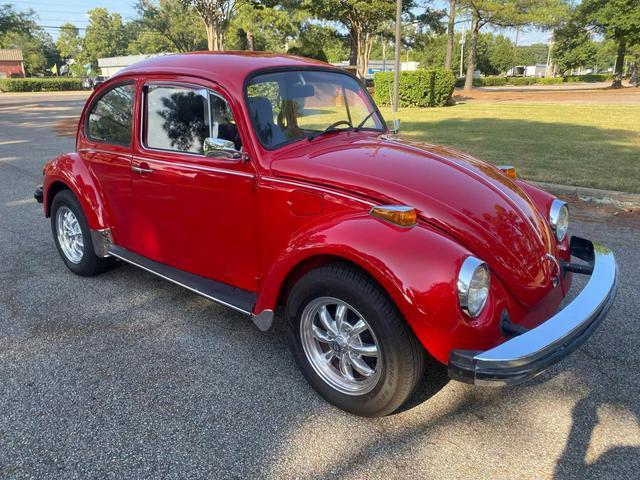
[338, 344]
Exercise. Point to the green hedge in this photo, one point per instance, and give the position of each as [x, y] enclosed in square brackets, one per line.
[50, 84]
[550, 81]
[498, 81]
[418, 88]
[591, 78]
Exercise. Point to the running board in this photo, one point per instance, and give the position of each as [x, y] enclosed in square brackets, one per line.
[238, 299]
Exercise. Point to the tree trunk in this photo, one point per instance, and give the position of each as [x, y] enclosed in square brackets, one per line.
[212, 38]
[353, 52]
[473, 52]
[368, 45]
[619, 67]
[361, 47]
[250, 45]
[450, 33]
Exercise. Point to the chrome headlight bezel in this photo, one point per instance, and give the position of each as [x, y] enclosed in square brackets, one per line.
[559, 219]
[472, 271]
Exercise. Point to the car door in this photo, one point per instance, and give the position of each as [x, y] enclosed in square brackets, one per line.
[192, 211]
[106, 147]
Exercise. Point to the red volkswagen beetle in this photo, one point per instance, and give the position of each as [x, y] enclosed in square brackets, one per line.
[259, 180]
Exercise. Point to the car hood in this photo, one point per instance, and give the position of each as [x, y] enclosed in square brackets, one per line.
[469, 200]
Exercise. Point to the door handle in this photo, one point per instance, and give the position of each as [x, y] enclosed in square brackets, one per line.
[142, 168]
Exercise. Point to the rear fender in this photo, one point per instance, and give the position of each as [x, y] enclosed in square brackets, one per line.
[72, 172]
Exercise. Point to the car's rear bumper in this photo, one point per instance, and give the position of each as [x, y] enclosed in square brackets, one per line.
[39, 194]
[530, 353]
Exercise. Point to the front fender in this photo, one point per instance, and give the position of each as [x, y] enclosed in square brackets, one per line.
[71, 171]
[417, 267]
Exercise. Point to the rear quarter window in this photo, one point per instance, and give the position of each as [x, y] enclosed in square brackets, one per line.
[110, 118]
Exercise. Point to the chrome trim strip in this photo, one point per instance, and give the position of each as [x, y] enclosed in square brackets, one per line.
[194, 167]
[99, 150]
[560, 329]
[319, 189]
[221, 302]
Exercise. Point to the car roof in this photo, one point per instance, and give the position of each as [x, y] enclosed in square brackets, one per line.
[221, 67]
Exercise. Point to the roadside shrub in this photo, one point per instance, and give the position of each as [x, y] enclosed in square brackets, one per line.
[418, 88]
[40, 84]
[549, 80]
[521, 81]
[490, 81]
[591, 78]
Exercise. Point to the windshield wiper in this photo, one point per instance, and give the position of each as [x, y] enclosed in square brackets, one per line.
[332, 128]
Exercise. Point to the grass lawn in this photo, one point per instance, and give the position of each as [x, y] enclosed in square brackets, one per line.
[590, 145]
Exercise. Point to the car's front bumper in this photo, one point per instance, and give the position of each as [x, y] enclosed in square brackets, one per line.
[530, 353]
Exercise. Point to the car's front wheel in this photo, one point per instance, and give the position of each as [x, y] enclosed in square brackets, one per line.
[350, 341]
[73, 237]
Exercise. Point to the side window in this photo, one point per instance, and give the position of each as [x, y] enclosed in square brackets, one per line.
[110, 118]
[222, 123]
[176, 118]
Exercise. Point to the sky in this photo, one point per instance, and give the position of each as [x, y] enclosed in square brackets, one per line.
[54, 13]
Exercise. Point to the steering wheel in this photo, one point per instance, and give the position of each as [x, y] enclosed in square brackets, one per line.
[339, 122]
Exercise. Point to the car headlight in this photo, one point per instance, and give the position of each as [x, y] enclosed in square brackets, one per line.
[473, 286]
[559, 218]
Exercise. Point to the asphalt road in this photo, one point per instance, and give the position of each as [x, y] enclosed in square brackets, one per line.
[127, 376]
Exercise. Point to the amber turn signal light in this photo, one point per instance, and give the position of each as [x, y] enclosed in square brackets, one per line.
[509, 171]
[400, 215]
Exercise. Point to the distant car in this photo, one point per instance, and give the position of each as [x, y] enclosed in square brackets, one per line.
[260, 180]
[89, 83]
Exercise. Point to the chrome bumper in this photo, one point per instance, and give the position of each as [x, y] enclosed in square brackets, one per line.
[528, 354]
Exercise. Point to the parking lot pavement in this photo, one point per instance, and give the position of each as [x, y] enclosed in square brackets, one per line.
[127, 376]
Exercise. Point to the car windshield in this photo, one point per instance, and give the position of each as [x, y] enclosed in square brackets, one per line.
[296, 104]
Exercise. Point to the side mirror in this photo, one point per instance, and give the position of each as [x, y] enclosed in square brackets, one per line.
[220, 148]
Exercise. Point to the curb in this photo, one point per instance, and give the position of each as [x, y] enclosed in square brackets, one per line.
[621, 200]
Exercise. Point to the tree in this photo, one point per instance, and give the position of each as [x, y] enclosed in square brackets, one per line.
[167, 26]
[617, 20]
[572, 47]
[363, 19]
[501, 54]
[20, 30]
[216, 15]
[69, 43]
[451, 23]
[263, 27]
[531, 54]
[105, 36]
[507, 13]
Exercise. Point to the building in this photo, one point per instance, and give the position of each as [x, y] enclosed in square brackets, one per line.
[111, 65]
[376, 66]
[11, 64]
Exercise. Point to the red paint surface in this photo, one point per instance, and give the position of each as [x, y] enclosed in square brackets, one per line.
[260, 224]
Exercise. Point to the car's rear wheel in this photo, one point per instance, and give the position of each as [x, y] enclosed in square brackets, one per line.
[350, 341]
[72, 236]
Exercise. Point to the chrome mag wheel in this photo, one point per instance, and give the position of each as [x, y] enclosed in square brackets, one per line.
[69, 235]
[340, 345]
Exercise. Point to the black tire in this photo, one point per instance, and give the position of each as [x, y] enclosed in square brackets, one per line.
[90, 264]
[402, 356]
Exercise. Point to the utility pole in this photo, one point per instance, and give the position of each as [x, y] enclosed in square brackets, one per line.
[396, 73]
